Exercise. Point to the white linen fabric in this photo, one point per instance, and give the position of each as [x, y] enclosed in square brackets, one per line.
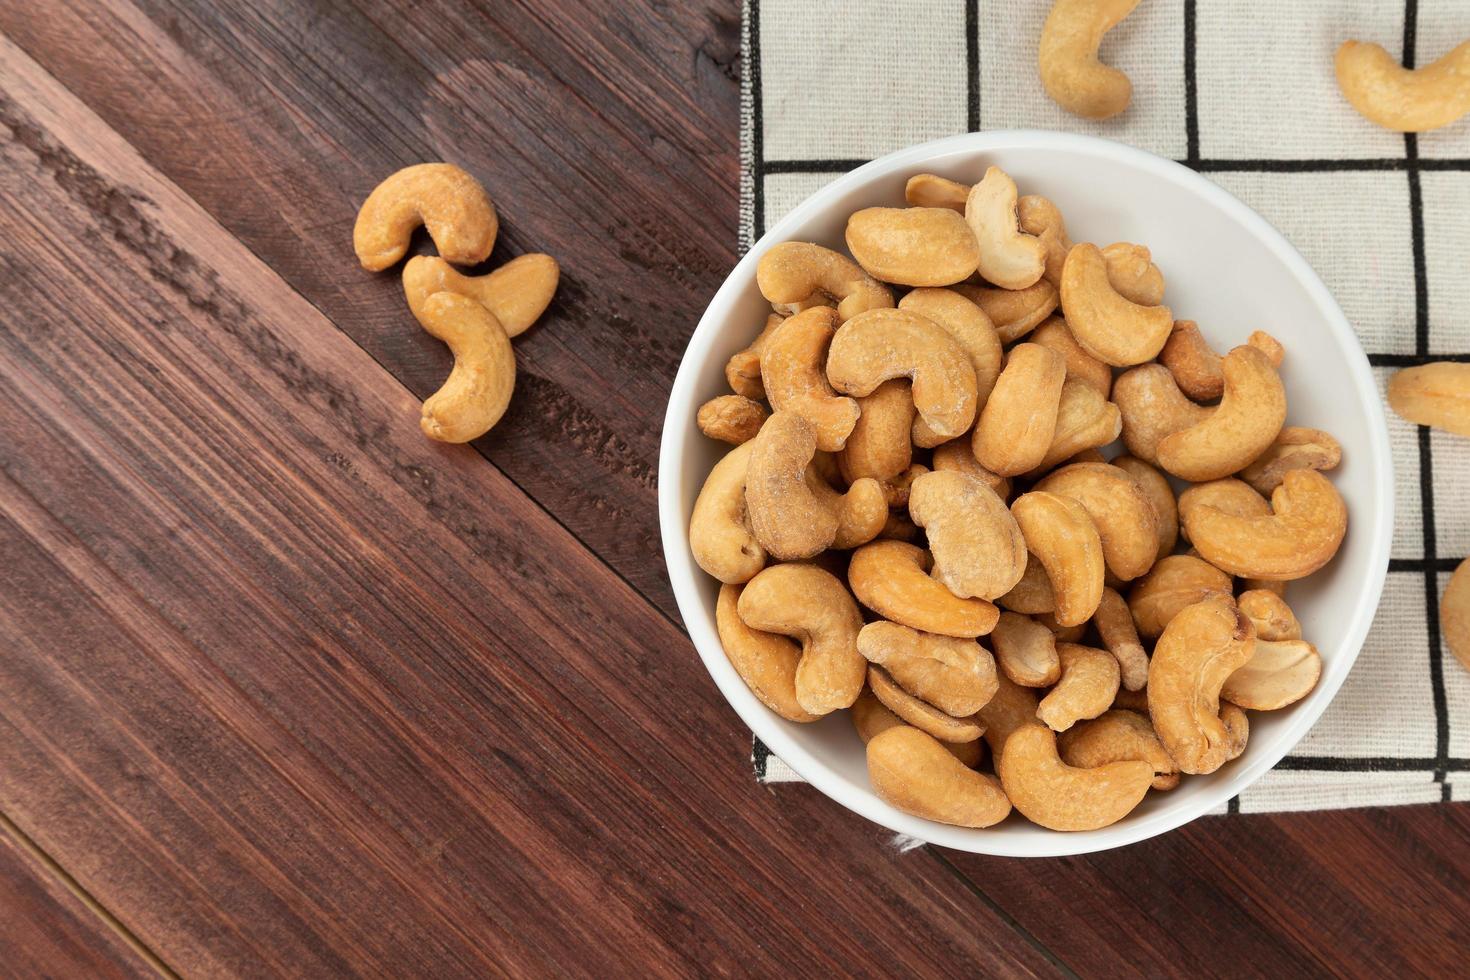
[1245, 93]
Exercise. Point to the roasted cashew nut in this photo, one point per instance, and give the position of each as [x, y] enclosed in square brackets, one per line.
[978, 548]
[1454, 614]
[1132, 273]
[1295, 448]
[1175, 582]
[1435, 394]
[912, 246]
[955, 675]
[1197, 369]
[1020, 418]
[743, 369]
[879, 445]
[440, 196]
[1270, 615]
[1055, 795]
[1200, 648]
[1110, 327]
[920, 713]
[1247, 420]
[1070, 70]
[1160, 493]
[1085, 420]
[891, 578]
[871, 718]
[970, 327]
[881, 345]
[1121, 511]
[719, 529]
[1229, 495]
[1118, 736]
[731, 418]
[812, 607]
[1059, 533]
[794, 376]
[766, 662]
[1008, 257]
[1153, 407]
[1032, 595]
[912, 772]
[1086, 689]
[959, 455]
[517, 292]
[1404, 99]
[1010, 708]
[1015, 312]
[1025, 651]
[477, 391]
[1081, 365]
[1119, 634]
[792, 271]
[1041, 218]
[1279, 673]
[933, 191]
[1300, 535]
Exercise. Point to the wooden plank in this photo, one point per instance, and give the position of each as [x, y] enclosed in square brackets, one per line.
[295, 690]
[47, 929]
[608, 139]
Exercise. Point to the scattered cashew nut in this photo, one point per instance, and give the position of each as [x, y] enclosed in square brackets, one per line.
[440, 196]
[1070, 70]
[477, 391]
[1454, 614]
[517, 292]
[1436, 395]
[1403, 99]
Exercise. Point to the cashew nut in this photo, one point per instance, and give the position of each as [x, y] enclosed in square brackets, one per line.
[1070, 70]
[861, 513]
[1121, 511]
[1015, 312]
[933, 191]
[1088, 683]
[969, 326]
[898, 528]
[891, 578]
[1454, 614]
[1081, 365]
[517, 292]
[912, 246]
[478, 388]
[959, 455]
[743, 370]
[955, 675]
[1118, 736]
[1085, 420]
[731, 418]
[1025, 651]
[1107, 325]
[1247, 421]
[812, 607]
[1055, 795]
[1010, 708]
[1302, 533]
[911, 772]
[920, 713]
[1009, 257]
[1279, 672]
[1229, 495]
[766, 662]
[1020, 418]
[440, 196]
[1175, 582]
[1197, 369]
[1132, 273]
[896, 489]
[1269, 613]
[1404, 99]
[1041, 218]
[1119, 634]
[879, 445]
[792, 271]
[792, 361]
[1295, 448]
[1153, 407]
[1200, 648]
[1435, 394]
[1032, 595]
[880, 345]
[719, 528]
[978, 548]
[1136, 701]
[1063, 538]
[1160, 493]
[871, 718]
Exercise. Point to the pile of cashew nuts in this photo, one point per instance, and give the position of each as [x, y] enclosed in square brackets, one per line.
[917, 522]
[476, 316]
[1382, 90]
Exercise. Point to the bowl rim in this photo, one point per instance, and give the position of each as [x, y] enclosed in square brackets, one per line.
[683, 573]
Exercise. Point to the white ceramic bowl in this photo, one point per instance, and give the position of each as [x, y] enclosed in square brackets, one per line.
[1226, 268]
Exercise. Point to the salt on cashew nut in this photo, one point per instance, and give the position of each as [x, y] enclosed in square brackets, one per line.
[879, 445]
[1019, 419]
[1153, 407]
[477, 391]
[1012, 707]
[731, 418]
[812, 607]
[934, 191]
[1301, 534]
[743, 369]
[1116, 736]
[978, 548]
[913, 246]
[1025, 651]
[892, 579]
[1015, 312]
[1295, 448]
[1124, 517]
[871, 718]
[970, 327]
[1197, 369]
[881, 345]
[793, 373]
[1404, 99]
[1160, 493]
[719, 528]
[1047, 791]
[1070, 70]
[1198, 651]
[912, 772]
[1175, 582]
[920, 713]
[1085, 420]
[1109, 326]
[1008, 257]
[517, 292]
[954, 674]
[1246, 422]
[1085, 690]
[1436, 395]
[1058, 531]
[766, 662]
[792, 271]
[440, 196]
[1114, 623]
[1081, 365]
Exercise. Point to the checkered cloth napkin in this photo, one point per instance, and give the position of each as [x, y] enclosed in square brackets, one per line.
[1244, 92]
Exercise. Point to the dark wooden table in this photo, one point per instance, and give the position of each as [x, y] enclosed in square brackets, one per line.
[287, 689]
